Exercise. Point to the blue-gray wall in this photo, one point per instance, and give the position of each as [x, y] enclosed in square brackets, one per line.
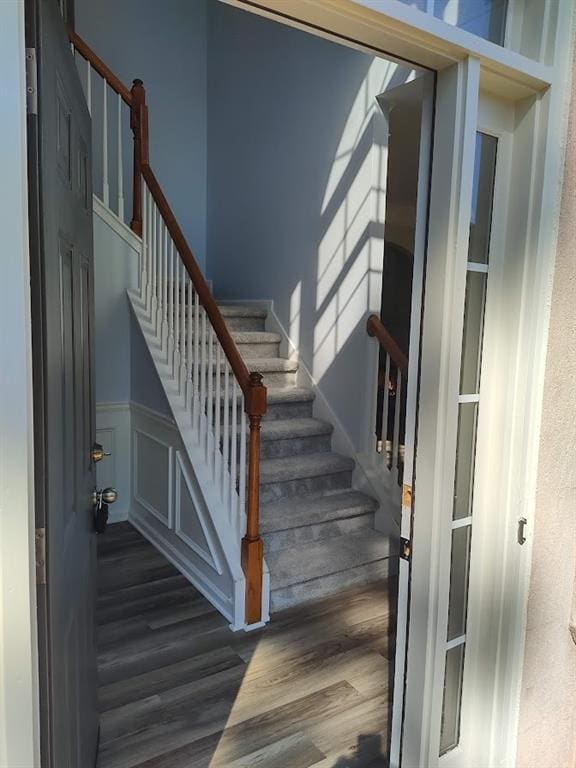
[164, 44]
[288, 181]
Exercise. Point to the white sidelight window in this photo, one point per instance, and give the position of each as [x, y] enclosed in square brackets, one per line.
[468, 407]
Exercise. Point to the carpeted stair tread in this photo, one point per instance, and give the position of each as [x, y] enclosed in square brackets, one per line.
[269, 364]
[294, 513]
[255, 337]
[289, 395]
[237, 310]
[285, 429]
[299, 467]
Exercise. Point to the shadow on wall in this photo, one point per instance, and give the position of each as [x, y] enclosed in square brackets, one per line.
[297, 178]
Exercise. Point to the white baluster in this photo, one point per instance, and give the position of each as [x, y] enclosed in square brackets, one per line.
[210, 395]
[192, 361]
[120, 168]
[89, 86]
[144, 253]
[196, 372]
[234, 454]
[226, 432]
[397, 409]
[105, 185]
[184, 331]
[171, 284]
[243, 470]
[217, 405]
[164, 313]
[177, 310]
[161, 281]
[149, 246]
[203, 371]
[385, 408]
[154, 271]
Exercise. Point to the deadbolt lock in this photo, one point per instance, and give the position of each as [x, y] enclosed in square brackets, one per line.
[97, 453]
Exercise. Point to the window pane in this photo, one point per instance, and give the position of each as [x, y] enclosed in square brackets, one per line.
[459, 581]
[465, 454]
[472, 337]
[450, 733]
[485, 18]
[482, 198]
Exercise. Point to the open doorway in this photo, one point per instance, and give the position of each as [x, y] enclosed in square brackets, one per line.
[321, 516]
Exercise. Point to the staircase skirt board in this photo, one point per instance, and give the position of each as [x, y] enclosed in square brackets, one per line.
[318, 532]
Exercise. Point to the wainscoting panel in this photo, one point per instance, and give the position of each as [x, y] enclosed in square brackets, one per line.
[191, 526]
[168, 508]
[113, 433]
[152, 475]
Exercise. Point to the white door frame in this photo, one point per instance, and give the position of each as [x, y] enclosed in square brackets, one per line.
[537, 97]
[19, 702]
[450, 205]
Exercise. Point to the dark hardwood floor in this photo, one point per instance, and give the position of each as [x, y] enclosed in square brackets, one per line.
[178, 689]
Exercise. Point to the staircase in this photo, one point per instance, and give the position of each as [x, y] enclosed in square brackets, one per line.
[318, 531]
[280, 502]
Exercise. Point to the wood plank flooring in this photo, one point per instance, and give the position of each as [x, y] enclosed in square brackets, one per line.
[178, 689]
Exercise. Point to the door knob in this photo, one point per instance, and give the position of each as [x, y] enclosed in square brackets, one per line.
[97, 453]
[107, 496]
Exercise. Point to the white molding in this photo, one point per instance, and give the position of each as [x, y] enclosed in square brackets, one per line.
[168, 521]
[395, 29]
[161, 418]
[210, 557]
[196, 577]
[108, 216]
[19, 684]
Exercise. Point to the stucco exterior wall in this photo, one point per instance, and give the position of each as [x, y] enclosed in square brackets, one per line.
[547, 726]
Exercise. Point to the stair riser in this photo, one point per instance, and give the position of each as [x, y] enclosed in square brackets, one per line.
[304, 486]
[246, 323]
[250, 351]
[273, 379]
[293, 537]
[294, 446]
[258, 350]
[296, 594]
[280, 379]
[298, 409]
[281, 411]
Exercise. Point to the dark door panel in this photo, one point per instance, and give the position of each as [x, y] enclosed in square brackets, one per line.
[63, 310]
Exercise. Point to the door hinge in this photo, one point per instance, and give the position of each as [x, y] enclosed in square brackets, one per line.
[31, 82]
[405, 548]
[40, 547]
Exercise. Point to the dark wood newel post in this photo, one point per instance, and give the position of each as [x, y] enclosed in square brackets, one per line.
[252, 545]
[139, 126]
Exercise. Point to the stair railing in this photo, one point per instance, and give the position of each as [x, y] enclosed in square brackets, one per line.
[206, 367]
[391, 405]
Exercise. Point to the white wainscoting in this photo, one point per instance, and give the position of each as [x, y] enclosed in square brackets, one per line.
[113, 433]
[168, 508]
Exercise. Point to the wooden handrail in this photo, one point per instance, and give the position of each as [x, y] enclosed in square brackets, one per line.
[237, 364]
[105, 72]
[376, 328]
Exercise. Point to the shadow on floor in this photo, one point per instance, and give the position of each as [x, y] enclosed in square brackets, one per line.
[178, 689]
